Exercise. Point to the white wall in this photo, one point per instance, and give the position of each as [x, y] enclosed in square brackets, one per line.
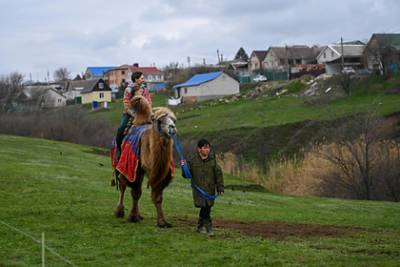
[327, 55]
[271, 61]
[221, 86]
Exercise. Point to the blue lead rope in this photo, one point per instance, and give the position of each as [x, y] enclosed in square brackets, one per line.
[188, 175]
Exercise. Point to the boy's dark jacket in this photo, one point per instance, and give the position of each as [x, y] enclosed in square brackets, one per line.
[207, 175]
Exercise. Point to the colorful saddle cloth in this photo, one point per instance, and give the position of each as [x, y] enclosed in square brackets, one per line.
[128, 163]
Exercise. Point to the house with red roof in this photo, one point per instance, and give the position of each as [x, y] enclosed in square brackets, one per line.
[121, 75]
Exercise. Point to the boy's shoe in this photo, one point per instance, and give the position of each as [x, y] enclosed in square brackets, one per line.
[201, 230]
[200, 227]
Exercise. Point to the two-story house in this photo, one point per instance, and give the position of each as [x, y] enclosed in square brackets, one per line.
[121, 75]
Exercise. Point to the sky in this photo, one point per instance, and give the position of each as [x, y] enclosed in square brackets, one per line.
[40, 36]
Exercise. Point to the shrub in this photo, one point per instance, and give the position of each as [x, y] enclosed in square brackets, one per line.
[295, 87]
[71, 124]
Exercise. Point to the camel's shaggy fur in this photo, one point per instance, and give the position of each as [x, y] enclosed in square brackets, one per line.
[156, 158]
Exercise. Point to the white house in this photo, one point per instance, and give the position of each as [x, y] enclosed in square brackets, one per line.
[45, 96]
[331, 56]
[206, 86]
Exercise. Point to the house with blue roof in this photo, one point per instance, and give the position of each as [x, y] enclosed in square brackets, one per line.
[96, 72]
[206, 86]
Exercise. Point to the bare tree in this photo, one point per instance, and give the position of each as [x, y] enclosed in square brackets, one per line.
[345, 82]
[62, 74]
[357, 154]
[10, 88]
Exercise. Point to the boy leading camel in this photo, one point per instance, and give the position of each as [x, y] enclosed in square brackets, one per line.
[206, 174]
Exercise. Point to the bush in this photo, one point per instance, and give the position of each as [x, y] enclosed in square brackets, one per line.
[295, 87]
[71, 124]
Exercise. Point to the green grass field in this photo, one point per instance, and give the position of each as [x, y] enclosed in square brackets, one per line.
[63, 190]
[367, 96]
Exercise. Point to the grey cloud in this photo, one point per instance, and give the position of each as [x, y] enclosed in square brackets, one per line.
[41, 35]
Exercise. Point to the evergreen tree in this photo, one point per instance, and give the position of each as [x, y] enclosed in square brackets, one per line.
[242, 55]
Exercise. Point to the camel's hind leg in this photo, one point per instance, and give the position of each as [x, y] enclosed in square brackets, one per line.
[120, 210]
[157, 197]
[136, 193]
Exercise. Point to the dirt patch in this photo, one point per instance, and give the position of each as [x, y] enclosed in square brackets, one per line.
[246, 188]
[279, 230]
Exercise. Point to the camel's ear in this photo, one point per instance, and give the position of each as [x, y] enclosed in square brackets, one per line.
[160, 116]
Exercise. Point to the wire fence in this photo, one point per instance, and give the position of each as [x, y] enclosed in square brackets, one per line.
[40, 242]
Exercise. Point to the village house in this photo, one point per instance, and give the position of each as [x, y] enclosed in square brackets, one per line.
[382, 53]
[73, 90]
[43, 96]
[256, 59]
[120, 76]
[96, 91]
[77, 91]
[206, 86]
[331, 56]
[289, 57]
[96, 72]
[239, 66]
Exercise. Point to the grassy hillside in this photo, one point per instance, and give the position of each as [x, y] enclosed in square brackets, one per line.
[368, 95]
[63, 190]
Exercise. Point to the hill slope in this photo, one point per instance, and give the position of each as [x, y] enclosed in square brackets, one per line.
[63, 190]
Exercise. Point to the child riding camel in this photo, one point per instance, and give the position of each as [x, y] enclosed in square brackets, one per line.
[137, 88]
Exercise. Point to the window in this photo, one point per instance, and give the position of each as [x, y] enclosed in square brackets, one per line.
[185, 90]
[101, 95]
[123, 72]
[59, 100]
[332, 54]
[123, 81]
[101, 85]
[324, 55]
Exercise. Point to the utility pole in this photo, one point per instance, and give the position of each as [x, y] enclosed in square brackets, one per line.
[204, 61]
[219, 60]
[287, 63]
[188, 60]
[341, 45]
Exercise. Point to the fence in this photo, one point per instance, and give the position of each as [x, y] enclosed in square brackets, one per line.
[271, 76]
[42, 243]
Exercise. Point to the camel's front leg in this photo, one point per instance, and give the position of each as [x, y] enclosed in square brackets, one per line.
[136, 193]
[156, 197]
[120, 210]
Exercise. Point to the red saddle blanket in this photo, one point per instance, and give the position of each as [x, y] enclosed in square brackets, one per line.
[128, 162]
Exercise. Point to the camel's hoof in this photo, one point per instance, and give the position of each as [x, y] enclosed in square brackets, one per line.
[119, 213]
[134, 218]
[164, 225]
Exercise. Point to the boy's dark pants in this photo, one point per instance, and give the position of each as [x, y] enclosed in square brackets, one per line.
[120, 132]
[204, 217]
[205, 212]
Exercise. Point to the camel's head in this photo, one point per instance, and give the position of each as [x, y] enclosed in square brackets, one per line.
[142, 110]
[164, 120]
